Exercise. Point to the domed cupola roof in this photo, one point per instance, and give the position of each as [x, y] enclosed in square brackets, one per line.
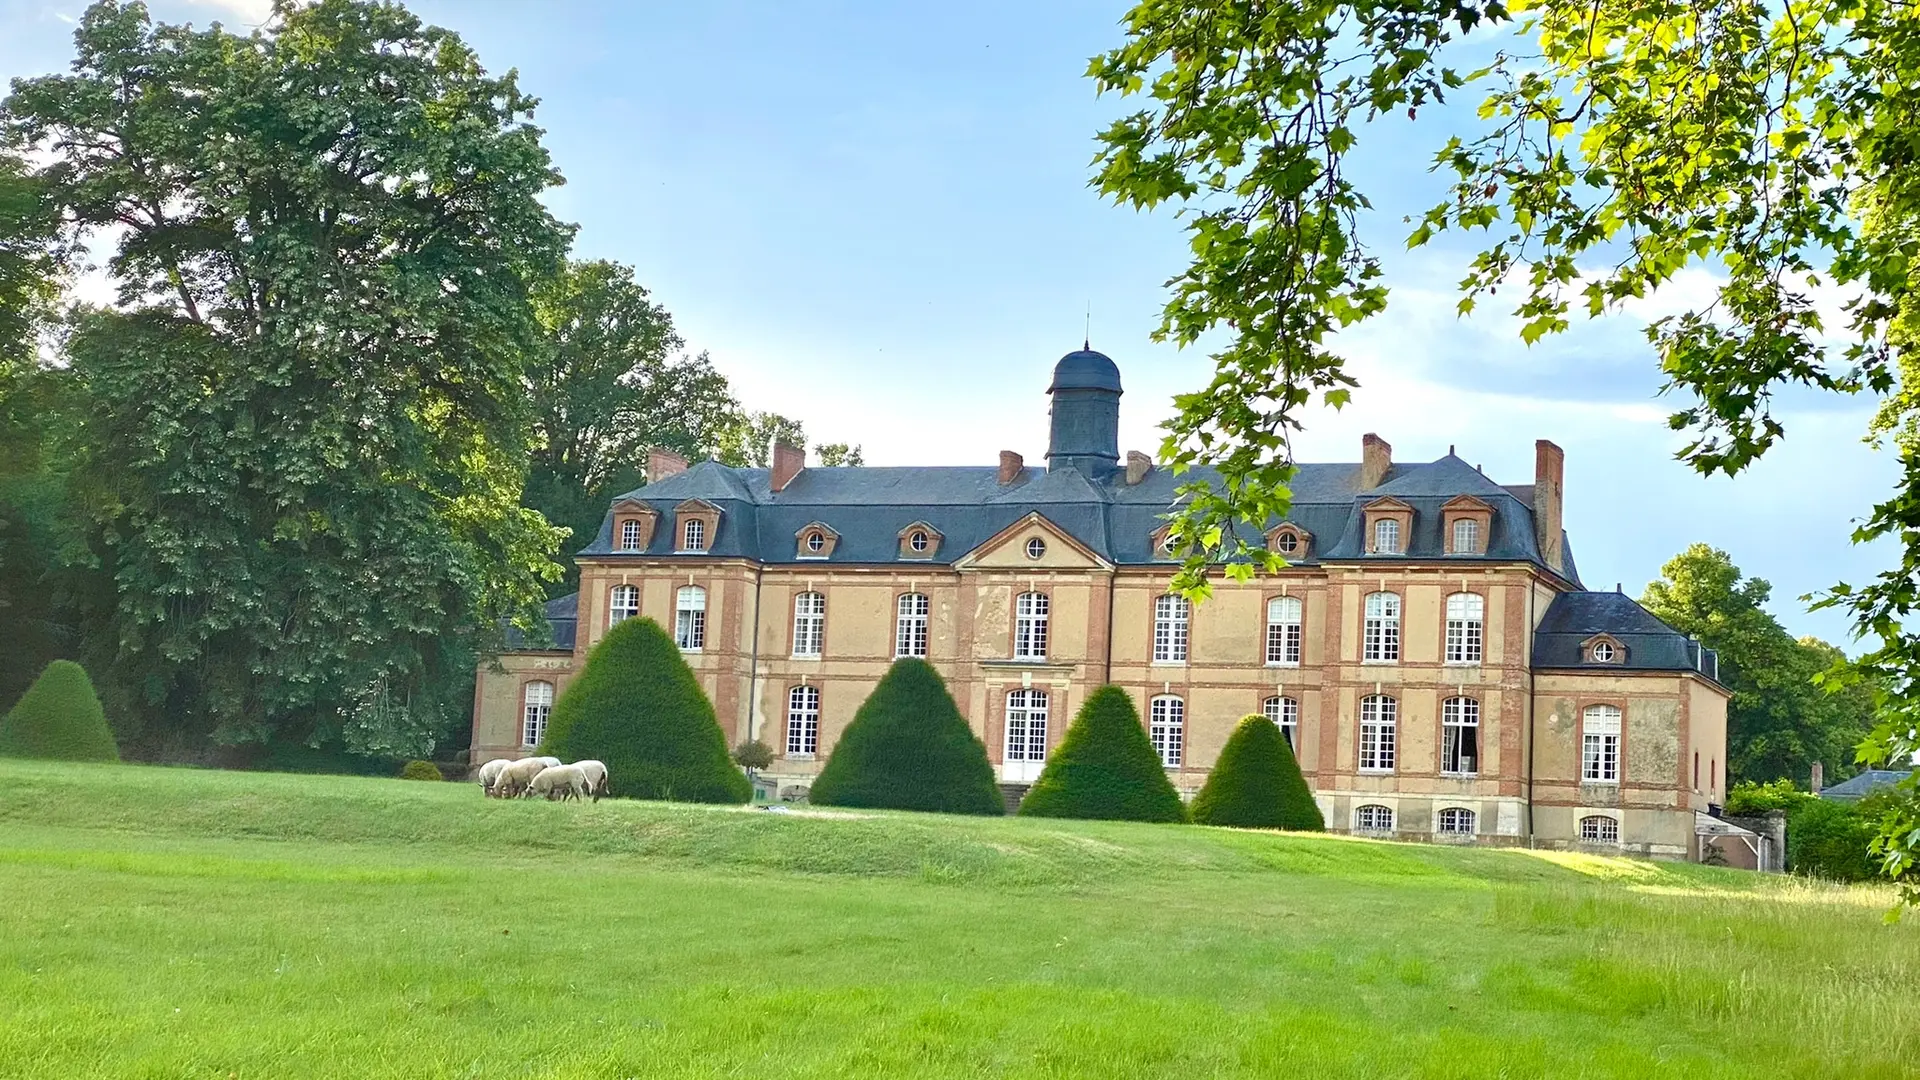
[1085, 369]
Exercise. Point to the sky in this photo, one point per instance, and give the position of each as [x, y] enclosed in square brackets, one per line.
[875, 217]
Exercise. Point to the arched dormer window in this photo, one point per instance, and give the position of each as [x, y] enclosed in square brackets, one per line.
[696, 526]
[1466, 523]
[1389, 525]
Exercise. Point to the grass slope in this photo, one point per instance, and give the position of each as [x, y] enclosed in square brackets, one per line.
[183, 923]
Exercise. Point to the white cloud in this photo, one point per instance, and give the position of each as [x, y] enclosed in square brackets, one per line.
[251, 12]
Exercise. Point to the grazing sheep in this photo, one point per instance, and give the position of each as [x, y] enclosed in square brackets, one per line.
[596, 777]
[549, 762]
[513, 779]
[489, 773]
[559, 782]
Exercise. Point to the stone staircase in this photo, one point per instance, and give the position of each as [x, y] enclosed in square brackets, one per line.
[1013, 793]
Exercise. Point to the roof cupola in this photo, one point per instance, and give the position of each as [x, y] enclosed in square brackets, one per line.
[1085, 428]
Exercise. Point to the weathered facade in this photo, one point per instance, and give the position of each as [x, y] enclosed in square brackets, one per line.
[1428, 650]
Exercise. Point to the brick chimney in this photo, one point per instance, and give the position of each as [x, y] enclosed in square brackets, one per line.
[1138, 466]
[1376, 457]
[1549, 466]
[1011, 465]
[787, 463]
[662, 464]
[1819, 777]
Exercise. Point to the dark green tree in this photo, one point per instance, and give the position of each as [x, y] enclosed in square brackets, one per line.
[909, 748]
[1105, 768]
[307, 421]
[1256, 784]
[834, 454]
[60, 717]
[638, 707]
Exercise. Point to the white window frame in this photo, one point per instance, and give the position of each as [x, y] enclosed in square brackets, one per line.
[1386, 536]
[803, 721]
[623, 603]
[1381, 632]
[1459, 721]
[809, 625]
[1466, 539]
[535, 713]
[693, 535]
[1600, 744]
[1030, 625]
[1466, 628]
[1036, 547]
[1026, 727]
[919, 541]
[1379, 733]
[630, 535]
[1285, 615]
[1172, 618]
[1166, 729]
[1451, 819]
[910, 626]
[1595, 829]
[1373, 818]
[690, 618]
[1285, 714]
[1601, 657]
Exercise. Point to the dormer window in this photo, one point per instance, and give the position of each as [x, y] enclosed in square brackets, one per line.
[630, 535]
[1386, 537]
[1289, 544]
[633, 523]
[815, 540]
[1160, 543]
[1466, 535]
[918, 540]
[1290, 540]
[1603, 652]
[696, 525]
[695, 538]
[1466, 521]
[1389, 525]
[1603, 649]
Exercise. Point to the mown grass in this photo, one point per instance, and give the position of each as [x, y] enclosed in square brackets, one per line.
[164, 923]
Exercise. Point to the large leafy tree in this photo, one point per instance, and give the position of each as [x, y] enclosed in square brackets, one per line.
[307, 424]
[1619, 143]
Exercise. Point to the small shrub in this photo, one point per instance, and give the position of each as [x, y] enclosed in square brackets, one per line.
[1105, 768]
[59, 717]
[1749, 797]
[909, 748]
[421, 770]
[637, 706]
[1256, 784]
[753, 754]
[1828, 838]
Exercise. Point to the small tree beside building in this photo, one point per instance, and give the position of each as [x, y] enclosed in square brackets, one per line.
[909, 748]
[1105, 768]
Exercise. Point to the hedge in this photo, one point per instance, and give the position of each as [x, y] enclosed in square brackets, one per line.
[1256, 784]
[637, 706]
[1105, 768]
[421, 770]
[59, 717]
[909, 748]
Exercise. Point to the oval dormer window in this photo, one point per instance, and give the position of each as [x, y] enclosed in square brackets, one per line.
[1036, 547]
[816, 542]
[918, 541]
[1603, 652]
[1289, 543]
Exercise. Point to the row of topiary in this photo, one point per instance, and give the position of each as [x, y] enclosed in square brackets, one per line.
[59, 717]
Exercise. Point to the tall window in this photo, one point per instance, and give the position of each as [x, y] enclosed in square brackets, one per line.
[690, 618]
[1382, 638]
[1378, 717]
[803, 721]
[809, 623]
[538, 705]
[1466, 536]
[1386, 536]
[1170, 614]
[1030, 626]
[1285, 713]
[1466, 623]
[1455, 821]
[1460, 736]
[1026, 725]
[623, 603]
[694, 534]
[1283, 631]
[1600, 829]
[910, 631]
[1600, 745]
[1373, 818]
[1166, 724]
[629, 536]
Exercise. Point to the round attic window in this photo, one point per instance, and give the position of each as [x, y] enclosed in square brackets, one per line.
[816, 541]
[1603, 652]
[1036, 547]
[918, 541]
[1289, 543]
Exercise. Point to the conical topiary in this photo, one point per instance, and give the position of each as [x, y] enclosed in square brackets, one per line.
[59, 717]
[1105, 768]
[637, 706]
[1256, 784]
[909, 748]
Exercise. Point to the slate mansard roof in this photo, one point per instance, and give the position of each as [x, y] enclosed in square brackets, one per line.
[563, 616]
[1575, 618]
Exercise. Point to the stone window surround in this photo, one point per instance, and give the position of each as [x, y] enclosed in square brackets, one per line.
[934, 537]
[1619, 650]
[793, 623]
[551, 678]
[1388, 507]
[1013, 625]
[1466, 507]
[631, 510]
[1157, 544]
[827, 534]
[1619, 781]
[1290, 529]
[696, 510]
[912, 591]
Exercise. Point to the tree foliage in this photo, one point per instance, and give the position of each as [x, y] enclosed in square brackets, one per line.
[1105, 768]
[908, 748]
[1620, 142]
[638, 707]
[836, 454]
[1256, 784]
[59, 717]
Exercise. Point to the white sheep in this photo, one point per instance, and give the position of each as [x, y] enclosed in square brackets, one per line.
[513, 779]
[596, 777]
[489, 773]
[559, 782]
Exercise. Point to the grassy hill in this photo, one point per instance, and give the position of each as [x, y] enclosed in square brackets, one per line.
[180, 923]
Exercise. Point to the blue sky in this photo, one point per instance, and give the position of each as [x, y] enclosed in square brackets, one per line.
[875, 218]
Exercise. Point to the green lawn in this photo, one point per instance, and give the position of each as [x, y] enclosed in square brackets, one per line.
[175, 923]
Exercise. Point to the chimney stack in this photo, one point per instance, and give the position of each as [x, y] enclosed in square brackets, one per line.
[787, 463]
[1138, 466]
[662, 464]
[1376, 457]
[1011, 465]
[1819, 777]
[1549, 466]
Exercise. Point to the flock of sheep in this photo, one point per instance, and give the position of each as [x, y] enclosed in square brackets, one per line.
[504, 778]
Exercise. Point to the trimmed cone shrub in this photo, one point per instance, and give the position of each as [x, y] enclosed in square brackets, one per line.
[59, 717]
[909, 748]
[1256, 784]
[1105, 768]
[637, 706]
[421, 770]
